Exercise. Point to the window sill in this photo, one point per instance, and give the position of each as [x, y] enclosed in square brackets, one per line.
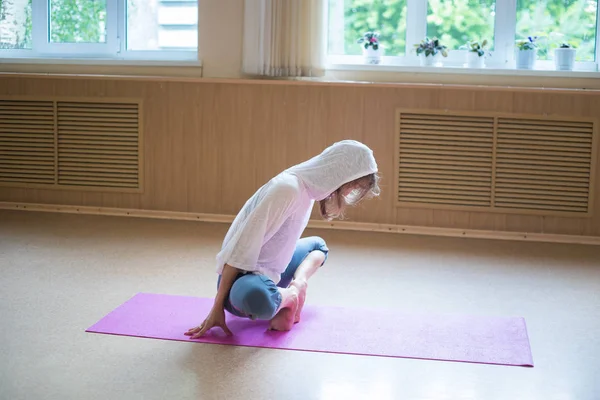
[459, 75]
[443, 69]
[102, 61]
[103, 66]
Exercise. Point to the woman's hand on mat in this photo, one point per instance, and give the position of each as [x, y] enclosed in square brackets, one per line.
[216, 318]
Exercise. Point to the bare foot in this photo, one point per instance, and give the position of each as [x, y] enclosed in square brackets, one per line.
[302, 286]
[284, 319]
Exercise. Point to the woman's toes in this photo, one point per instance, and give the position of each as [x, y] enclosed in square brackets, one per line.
[283, 321]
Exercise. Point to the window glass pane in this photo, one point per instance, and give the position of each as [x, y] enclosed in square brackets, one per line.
[556, 21]
[456, 22]
[78, 21]
[350, 19]
[15, 24]
[162, 25]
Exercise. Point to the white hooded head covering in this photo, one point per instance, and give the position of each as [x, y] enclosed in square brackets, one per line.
[338, 164]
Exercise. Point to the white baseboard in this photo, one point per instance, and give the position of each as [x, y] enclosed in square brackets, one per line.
[341, 225]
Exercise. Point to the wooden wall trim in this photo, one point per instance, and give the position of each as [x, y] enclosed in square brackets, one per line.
[298, 82]
[341, 225]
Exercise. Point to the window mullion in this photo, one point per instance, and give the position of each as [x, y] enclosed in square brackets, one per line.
[597, 59]
[121, 26]
[112, 29]
[416, 25]
[40, 25]
[505, 28]
[335, 27]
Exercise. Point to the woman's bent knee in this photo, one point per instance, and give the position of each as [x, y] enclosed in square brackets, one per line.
[318, 243]
[254, 297]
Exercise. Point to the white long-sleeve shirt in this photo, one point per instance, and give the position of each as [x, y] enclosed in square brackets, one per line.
[263, 236]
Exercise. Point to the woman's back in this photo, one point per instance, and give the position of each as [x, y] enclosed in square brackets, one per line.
[264, 233]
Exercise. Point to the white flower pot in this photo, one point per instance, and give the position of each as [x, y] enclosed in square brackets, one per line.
[564, 59]
[371, 55]
[474, 60]
[526, 58]
[428, 61]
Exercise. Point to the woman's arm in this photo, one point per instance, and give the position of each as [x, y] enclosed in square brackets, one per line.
[227, 278]
[216, 316]
[264, 220]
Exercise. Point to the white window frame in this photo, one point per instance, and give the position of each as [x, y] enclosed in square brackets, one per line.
[175, 55]
[114, 48]
[502, 57]
[598, 36]
[40, 22]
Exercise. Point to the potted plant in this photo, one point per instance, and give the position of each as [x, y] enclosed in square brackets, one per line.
[526, 53]
[429, 50]
[476, 53]
[371, 47]
[564, 57]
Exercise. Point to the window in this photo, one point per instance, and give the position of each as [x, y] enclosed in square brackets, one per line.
[556, 21]
[456, 22]
[404, 23]
[176, 25]
[348, 20]
[109, 29]
[15, 24]
[86, 24]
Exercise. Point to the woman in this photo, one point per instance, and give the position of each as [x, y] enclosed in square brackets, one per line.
[254, 281]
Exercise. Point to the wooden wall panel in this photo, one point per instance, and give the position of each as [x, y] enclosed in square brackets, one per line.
[209, 145]
[487, 221]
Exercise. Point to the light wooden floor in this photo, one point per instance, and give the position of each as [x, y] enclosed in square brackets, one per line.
[61, 273]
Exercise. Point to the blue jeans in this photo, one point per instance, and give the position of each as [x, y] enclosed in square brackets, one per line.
[256, 296]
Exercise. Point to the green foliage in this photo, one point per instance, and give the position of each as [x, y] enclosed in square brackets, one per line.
[388, 17]
[455, 22]
[28, 42]
[556, 21]
[476, 47]
[77, 21]
[529, 44]
[20, 36]
[431, 47]
[369, 39]
[71, 21]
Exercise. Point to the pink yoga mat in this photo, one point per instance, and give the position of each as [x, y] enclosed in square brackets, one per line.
[487, 340]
